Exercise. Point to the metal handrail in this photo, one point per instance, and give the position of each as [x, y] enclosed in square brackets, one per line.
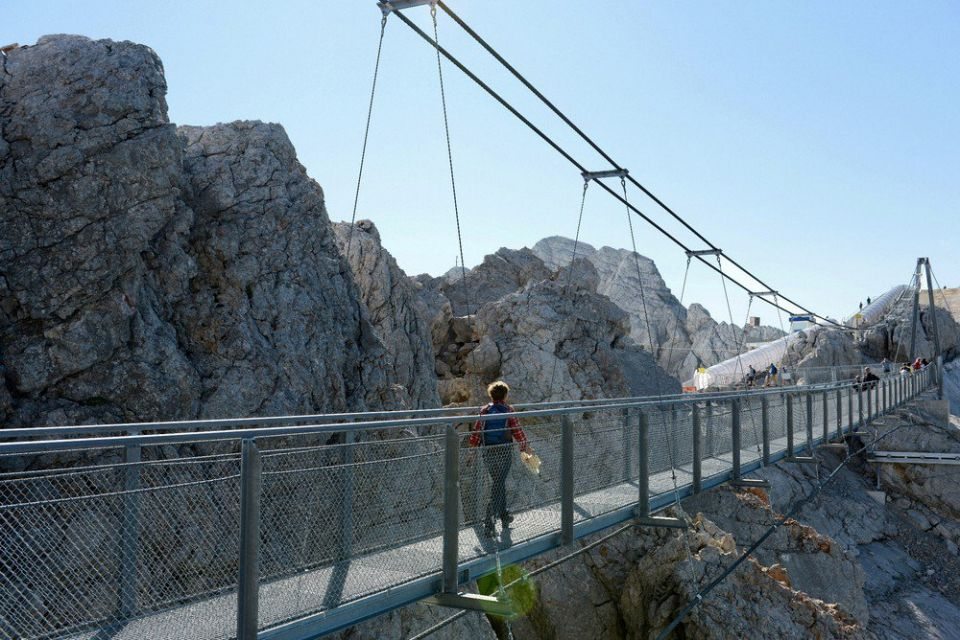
[286, 429]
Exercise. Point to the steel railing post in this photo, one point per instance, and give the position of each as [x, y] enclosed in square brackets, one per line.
[825, 399]
[248, 583]
[346, 504]
[859, 406]
[130, 529]
[643, 506]
[939, 376]
[765, 428]
[566, 480]
[790, 452]
[697, 453]
[627, 448]
[849, 410]
[709, 444]
[809, 422]
[735, 436]
[839, 414]
[869, 404]
[451, 509]
[674, 436]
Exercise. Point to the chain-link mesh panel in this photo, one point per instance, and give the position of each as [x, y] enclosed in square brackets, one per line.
[96, 547]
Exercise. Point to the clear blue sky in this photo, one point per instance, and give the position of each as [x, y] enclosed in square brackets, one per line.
[817, 143]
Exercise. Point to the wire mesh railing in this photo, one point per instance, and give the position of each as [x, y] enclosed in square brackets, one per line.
[154, 533]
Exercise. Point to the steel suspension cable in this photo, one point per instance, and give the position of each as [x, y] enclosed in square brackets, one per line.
[356, 200]
[550, 105]
[573, 259]
[366, 134]
[453, 181]
[643, 300]
[946, 303]
[785, 334]
[655, 349]
[676, 327]
[726, 297]
[740, 344]
[556, 147]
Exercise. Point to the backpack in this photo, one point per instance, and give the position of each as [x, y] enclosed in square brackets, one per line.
[495, 430]
[773, 370]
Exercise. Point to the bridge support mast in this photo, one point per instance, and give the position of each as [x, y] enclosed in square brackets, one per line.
[916, 311]
[938, 357]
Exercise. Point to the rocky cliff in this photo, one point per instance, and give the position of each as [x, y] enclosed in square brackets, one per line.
[155, 272]
[398, 314]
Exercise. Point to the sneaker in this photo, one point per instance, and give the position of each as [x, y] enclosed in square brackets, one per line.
[506, 519]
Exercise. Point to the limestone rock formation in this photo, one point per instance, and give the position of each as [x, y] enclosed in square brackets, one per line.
[551, 342]
[754, 602]
[500, 274]
[150, 273]
[397, 311]
[680, 338]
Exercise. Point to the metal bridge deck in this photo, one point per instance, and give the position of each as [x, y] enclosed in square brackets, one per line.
[335, 587]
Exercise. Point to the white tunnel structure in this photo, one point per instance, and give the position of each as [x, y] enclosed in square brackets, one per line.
[733, 370]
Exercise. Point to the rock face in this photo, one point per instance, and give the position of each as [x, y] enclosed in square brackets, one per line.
[500, 274]
[672, 573]
[397, 312]
[150, 273]
[681, 338]
[555, 338]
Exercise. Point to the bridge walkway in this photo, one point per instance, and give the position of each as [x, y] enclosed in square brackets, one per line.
[352, 530]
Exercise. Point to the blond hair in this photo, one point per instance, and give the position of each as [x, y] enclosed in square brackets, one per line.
[498, 391]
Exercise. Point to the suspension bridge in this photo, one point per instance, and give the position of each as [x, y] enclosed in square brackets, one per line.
[292, 527]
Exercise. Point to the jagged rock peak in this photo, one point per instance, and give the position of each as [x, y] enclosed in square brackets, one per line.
[154, 273]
